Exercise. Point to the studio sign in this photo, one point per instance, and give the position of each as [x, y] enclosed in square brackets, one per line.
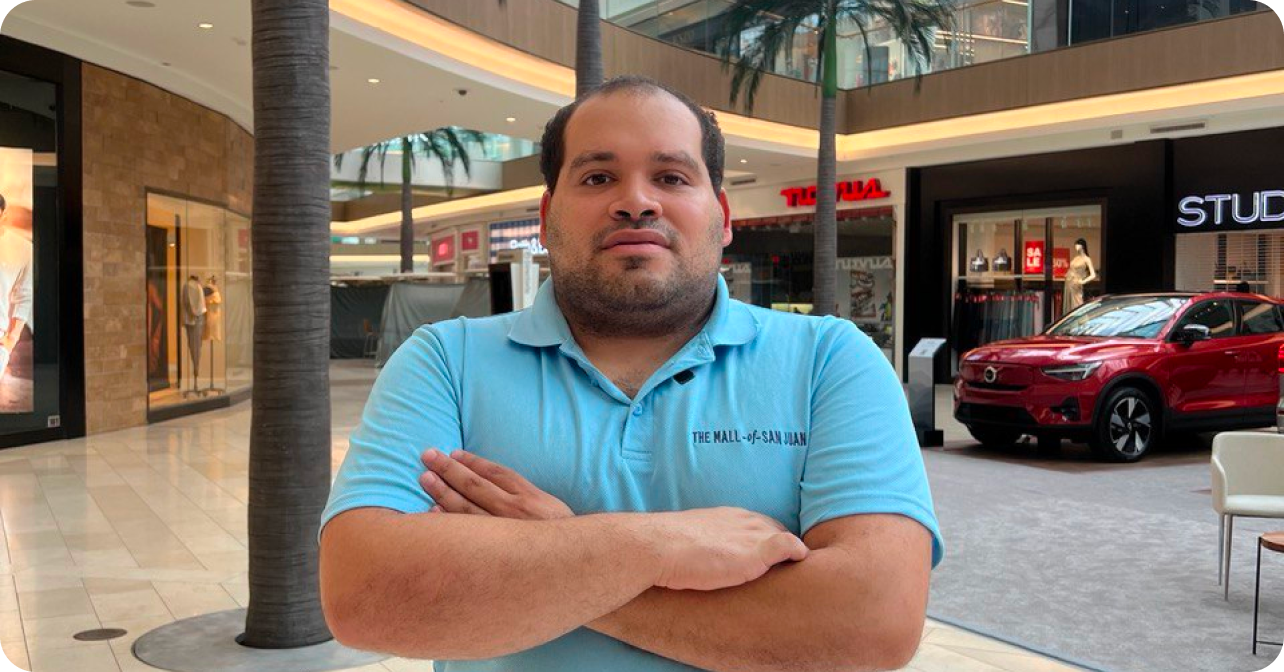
[1263, 207]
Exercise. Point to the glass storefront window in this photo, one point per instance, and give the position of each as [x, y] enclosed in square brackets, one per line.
[1244, 260]
[30, 222]
[983, 31]
[1019, 271]
[771, 266]
[199, 308]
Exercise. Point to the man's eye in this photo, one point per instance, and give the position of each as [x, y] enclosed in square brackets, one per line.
[673, 180]
[595, 180]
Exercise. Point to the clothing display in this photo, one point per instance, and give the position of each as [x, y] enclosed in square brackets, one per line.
[213, 314]
[731, 420]
[194, 310]
[1076, 276]
[985, 315]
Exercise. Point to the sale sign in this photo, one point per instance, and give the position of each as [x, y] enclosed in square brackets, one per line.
[1060, 262]
[1033, 257]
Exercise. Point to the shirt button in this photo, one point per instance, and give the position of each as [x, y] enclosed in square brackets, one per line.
[637, 410]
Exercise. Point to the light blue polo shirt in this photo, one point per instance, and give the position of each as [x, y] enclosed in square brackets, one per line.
[799, 418]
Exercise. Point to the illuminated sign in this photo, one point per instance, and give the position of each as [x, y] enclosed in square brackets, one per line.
[849, 190]
[1033, 257]
[443, 249]
[1263, 207]
[469, 240]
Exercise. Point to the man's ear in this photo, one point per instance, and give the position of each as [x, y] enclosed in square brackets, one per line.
[726, 217]
[543, 216]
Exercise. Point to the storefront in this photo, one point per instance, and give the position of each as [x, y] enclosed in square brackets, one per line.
[124, 250]
[41, 318]
[769, 261]
[1228, 194]
[1006, 247]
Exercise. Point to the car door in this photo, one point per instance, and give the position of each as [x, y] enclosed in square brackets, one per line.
[1206, 376]
[1260, 327]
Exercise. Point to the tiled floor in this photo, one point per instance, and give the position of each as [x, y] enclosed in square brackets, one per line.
[137, 528]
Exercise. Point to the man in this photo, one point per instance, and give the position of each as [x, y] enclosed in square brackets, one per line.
[15, 286]
[653, 477]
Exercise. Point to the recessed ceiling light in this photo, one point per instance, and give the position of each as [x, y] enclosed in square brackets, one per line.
[205, 26]
[744, 160]
[510, 119]
[373, 80]
[140, 3]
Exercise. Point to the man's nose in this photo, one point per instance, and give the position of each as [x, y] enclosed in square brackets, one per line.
[635, 202]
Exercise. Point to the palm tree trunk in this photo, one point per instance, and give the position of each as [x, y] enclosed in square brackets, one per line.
[588, 48]
[407, 218]
[290, 434]
[825, 228]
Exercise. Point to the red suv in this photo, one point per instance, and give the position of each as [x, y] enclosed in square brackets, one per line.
[1122, 371]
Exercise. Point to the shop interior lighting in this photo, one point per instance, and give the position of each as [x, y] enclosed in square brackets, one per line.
[373, 80]
[205, 26]
[511, 119]
[744, 160]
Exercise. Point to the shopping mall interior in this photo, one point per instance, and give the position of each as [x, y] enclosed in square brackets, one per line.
[1025, 159]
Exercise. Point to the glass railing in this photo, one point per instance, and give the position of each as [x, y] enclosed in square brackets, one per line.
[983, 31]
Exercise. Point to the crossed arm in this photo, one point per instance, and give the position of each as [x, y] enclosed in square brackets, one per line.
[519, 573]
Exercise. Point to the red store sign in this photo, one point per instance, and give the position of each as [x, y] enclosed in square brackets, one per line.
[1033, 256]
[849, 190]
[443, 249]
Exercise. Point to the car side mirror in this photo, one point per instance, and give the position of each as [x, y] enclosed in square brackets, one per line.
[1192, 333]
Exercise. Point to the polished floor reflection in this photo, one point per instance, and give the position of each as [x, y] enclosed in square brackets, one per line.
[138, 528]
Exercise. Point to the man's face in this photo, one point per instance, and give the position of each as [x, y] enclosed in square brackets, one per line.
[634, 224]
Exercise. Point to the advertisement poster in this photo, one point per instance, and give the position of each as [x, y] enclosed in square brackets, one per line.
[1033, 264]
[865, 296]
[16, 276]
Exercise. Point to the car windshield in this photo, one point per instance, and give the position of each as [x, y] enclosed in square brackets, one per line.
[1120, 317]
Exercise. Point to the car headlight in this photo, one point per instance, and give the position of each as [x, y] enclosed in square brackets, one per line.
[1073, 371]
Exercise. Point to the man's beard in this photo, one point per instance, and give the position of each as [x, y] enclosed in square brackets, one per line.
[630, 301]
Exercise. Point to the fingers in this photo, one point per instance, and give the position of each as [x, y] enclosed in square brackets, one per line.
[448, 500]
[505, 478]
[465, 481]
[784, 546]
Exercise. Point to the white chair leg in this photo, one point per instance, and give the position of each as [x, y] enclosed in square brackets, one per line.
[1230, 536]
[1221, 545]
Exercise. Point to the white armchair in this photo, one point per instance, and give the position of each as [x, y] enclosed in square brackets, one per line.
[1248, 481]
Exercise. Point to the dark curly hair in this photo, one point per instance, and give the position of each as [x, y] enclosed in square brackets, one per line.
[553, 143]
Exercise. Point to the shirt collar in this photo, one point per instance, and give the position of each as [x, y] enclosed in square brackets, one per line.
[542, 325]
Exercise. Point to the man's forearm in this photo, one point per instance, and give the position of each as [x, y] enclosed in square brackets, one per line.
[820, 614]
[497, 587]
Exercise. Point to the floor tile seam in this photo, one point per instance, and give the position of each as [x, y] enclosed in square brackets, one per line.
[1020, 645]
[965, 651]
[186, 497]
[128, 548]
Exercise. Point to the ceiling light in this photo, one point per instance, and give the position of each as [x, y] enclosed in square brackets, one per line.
[510, 119]
[204, 26]
[744, 160]
[373, 80]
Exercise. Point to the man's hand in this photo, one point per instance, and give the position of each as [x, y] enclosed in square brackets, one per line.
[465, 483]
[701, 549]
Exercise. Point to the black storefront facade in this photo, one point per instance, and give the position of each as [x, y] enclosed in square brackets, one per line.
[996, 246]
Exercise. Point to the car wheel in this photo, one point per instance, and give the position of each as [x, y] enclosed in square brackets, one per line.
[994, 437]
[1127, 427]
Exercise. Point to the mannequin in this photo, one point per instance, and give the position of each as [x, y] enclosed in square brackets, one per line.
[1080, 273]
[194, 310]
[214, 313]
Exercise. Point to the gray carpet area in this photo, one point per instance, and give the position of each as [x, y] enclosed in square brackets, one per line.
[1110, 566]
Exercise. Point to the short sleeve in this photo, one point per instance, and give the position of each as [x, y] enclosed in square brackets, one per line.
[413, 406]
[864, 455]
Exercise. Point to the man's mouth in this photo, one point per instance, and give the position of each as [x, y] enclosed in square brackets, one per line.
[636, 240]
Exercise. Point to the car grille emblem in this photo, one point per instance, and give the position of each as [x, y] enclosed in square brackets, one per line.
[991, 374]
